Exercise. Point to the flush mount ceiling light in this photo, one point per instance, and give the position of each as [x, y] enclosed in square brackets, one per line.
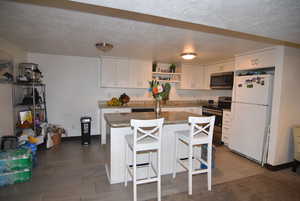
[104, 47]
[188, 56]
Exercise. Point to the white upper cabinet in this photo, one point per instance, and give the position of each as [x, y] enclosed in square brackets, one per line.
[124, 73]
[108, 70]
[192, 76]
[262, 59]
[114, 72]
[140, 73]
[208, 70]
[225, 67]
[122, 76]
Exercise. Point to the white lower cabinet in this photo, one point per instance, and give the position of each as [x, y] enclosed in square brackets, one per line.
[102, 123]
[226, 126]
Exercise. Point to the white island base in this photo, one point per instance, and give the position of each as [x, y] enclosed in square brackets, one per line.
[115, 153]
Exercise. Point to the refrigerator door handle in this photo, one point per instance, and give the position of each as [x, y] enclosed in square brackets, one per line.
[266, 146]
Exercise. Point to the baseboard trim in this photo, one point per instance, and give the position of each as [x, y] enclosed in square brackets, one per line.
[77, 138]
[279, 167]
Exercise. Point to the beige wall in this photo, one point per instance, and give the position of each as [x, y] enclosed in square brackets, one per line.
[10, 50]
[286, 107]
[16, 54]
[289, 104]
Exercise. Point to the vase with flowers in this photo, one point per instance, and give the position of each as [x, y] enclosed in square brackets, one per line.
[159, 92]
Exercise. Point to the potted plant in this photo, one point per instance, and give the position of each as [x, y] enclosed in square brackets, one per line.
[173, 68]
[159, 92]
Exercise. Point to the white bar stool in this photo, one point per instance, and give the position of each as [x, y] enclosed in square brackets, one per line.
[146, 138]
[200, 132]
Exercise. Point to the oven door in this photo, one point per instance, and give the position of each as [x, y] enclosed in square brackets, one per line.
[221, 80]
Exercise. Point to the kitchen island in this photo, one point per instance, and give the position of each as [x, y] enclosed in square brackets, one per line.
[185, 106]
[118, 125]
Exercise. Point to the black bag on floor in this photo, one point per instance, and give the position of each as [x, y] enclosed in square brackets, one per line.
[8, 142]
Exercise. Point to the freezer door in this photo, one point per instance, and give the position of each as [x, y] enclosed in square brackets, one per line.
[249, 126]
[255, 89]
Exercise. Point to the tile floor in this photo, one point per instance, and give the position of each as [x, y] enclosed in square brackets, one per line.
[71, 172]
[268, 186]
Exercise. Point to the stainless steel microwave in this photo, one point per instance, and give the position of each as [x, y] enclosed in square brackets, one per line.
[221, 80]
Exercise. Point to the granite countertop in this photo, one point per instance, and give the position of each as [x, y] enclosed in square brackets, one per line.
[227, 110]
[150, 104]
[117, 120]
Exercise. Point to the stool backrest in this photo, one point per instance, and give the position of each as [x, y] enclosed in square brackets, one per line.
[200, 125]
[147, 129]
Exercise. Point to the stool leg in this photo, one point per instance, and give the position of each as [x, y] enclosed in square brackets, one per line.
[149, 161]
[209, 160]
[190, 172]
[158, 176]
[134, 177]
[175, 158]
[126, 163]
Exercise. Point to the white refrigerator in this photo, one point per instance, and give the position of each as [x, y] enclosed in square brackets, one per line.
[251, 108]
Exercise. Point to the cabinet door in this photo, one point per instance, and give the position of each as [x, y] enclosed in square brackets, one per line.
[108, 72]
[146, 74]
[186, 77]
[114, 72]
[197, 77]
[192, 77]
[226, 126]
[225, 67]
[209, 69]
[262, 59]
[122, 76]
[140, 73]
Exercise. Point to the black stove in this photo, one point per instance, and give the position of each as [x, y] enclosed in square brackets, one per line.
[212, 107]
[217, 110]
[224, 102]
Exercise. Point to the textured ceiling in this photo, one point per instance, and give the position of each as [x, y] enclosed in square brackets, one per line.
[278, 19]
[67, 32]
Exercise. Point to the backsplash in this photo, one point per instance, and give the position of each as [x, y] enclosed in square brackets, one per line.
[175, 94]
